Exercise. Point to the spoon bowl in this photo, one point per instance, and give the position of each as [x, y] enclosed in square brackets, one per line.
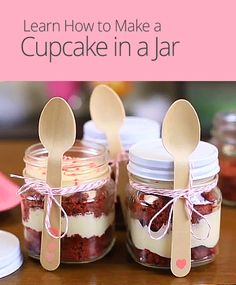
[57, 126]
[181, 127]
[106, 108]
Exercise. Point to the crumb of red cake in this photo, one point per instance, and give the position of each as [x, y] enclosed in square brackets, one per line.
[74, 248]
[78, 249]
[210, 196]
[144, 212]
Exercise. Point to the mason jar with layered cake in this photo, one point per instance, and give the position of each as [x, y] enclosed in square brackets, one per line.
[90, 213]
[149, 223]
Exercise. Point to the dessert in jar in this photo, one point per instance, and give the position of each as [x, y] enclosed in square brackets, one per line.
[135, 129]
[149, 217]
[90, 233]
[224, 137]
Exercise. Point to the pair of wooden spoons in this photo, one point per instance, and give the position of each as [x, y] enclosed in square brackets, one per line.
[57, 133]
[180, 135]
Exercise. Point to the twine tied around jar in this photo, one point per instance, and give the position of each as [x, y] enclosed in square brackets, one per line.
[176, 194]
[43, 188]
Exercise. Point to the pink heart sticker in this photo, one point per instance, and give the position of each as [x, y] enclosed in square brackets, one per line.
[51, 246]
[49, 256]
[181, 263]
[54, 231]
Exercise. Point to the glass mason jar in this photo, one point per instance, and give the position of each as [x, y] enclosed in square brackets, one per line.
[134, 130]
[90, 214]
[150, 165]
[224, 137]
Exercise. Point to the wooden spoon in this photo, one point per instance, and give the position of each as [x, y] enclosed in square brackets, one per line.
[57, 133]
[108, 114]
[181, 135]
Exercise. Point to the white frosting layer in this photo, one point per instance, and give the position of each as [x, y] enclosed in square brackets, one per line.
[74, 172]
[141, 239]
[85, 225]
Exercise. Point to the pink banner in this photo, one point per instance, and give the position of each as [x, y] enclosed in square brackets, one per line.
[118, 40]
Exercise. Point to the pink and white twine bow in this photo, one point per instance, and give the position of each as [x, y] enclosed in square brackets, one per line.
[43, 188]
[176, 194]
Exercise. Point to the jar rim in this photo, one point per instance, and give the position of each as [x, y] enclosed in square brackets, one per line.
[36, 153]
[170, 184]
[151, 160]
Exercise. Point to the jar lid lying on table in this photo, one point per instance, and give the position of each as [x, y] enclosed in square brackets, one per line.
[150, 160]
[135, 129]
[10, 254]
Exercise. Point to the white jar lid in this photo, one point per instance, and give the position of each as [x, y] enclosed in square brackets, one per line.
[134, 130]
[11, 267]
[10, 254]
[151, 160]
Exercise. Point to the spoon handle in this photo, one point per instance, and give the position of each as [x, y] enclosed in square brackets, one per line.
[50, 247]
[181, 235]
[114, 144]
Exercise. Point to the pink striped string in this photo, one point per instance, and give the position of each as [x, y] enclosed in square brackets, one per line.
[43, 188]
[176, 194]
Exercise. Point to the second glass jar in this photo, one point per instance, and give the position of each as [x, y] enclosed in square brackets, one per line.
[150, 165]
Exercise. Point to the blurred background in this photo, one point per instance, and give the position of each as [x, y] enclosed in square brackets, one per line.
[22, 102]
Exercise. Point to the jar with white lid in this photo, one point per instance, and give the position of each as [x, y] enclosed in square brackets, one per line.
[134, 130]
[149, 232]
[90, 212]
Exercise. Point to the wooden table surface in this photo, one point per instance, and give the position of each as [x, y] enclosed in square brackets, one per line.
[117, 267]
